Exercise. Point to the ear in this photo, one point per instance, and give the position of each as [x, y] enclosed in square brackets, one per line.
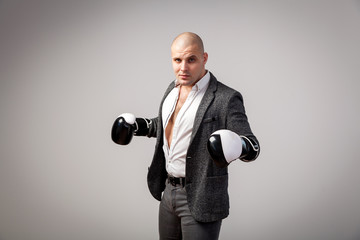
[205, 57]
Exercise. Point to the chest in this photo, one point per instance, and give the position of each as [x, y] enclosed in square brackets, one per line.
[179, 104]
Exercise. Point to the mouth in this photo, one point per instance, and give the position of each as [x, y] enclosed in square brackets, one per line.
[184, 76]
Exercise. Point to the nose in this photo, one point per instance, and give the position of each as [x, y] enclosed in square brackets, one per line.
[184, 66]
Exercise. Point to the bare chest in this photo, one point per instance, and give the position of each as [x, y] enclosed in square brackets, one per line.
[170, 126]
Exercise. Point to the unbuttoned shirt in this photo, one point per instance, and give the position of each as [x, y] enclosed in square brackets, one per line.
[175, 155]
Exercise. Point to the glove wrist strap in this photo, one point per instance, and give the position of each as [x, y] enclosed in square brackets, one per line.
[142, 126]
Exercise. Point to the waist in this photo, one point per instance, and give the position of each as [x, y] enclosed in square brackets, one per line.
[174, 181]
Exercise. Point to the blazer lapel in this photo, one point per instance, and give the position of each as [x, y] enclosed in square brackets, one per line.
[204, 105]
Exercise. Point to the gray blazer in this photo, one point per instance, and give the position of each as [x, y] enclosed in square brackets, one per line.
[206, 184]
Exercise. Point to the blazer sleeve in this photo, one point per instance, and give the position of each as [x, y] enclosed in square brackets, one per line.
[237, 121]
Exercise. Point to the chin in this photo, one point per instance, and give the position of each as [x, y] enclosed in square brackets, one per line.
[186, 83]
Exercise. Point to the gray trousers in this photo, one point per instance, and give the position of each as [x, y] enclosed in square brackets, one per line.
[176, 221]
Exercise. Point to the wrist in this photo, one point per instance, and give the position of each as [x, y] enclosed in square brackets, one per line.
[142, 126]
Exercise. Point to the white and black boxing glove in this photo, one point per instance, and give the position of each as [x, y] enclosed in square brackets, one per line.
[126, 125]
[225, 146]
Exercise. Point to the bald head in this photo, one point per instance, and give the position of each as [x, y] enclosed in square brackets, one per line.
[187, 39]
[188, 59]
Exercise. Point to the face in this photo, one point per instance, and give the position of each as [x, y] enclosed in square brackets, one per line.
[188, 64]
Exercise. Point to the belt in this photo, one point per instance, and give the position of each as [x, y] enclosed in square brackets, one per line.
[176, 181]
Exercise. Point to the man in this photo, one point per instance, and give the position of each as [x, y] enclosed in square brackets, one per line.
[200, 129]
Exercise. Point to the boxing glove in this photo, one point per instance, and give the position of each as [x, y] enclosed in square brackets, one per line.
[225, 146]
[126, 126]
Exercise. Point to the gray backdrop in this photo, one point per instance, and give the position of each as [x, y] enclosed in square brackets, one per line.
[68, 69]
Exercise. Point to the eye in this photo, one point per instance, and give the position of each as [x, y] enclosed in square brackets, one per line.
[178, 60]
[191, 60]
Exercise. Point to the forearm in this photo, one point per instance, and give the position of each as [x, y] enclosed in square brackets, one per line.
[238, 123]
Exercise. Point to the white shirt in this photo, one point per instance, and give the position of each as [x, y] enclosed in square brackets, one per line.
[175, 154]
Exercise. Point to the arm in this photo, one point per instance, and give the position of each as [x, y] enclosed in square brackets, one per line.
[237, 122]
[126, 126]
[236, 141]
